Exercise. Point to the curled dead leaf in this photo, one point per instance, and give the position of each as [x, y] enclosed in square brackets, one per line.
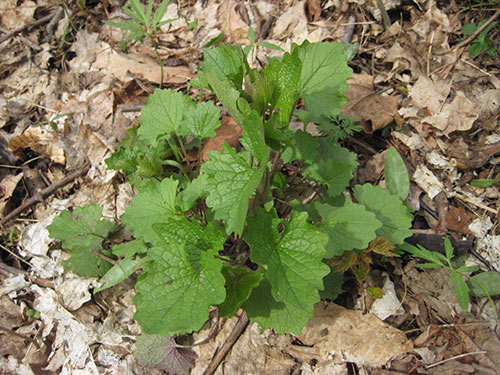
[229, 17]
[376, 110]
[7, 187]
[335, 330]
[40, 140]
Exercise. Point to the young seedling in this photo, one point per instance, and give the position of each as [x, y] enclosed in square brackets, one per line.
[464, 285]
[482, 43]
[144, 23]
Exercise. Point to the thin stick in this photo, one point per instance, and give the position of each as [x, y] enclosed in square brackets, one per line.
[232, 338]
[19, 30]
[478, 31]
[42, 194]
[104, 257]
[383, 12]
[453, 358]
[477, 204]
[24, 337]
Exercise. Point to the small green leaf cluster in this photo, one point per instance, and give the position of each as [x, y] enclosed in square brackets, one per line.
[230, 232]
[484, 284]
[482, 43]
[144, 23]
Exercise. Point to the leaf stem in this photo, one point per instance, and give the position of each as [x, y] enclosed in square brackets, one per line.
[269, 175]
[155, 47]
[102, 256]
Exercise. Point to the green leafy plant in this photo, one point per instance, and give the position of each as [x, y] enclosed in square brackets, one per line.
[232, 228]
[482, 284]
[144, 23]
[482, 43]
[253, 43]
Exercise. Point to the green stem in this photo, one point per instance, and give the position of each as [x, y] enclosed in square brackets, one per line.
[269, 175]
[173, 163]
[383, 12]
[175, 150]
[65, 8]
[155, 47]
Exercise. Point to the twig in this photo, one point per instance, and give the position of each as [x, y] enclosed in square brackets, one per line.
[465, 198]
[478, 31]
[453, 358]
[365, 145]
[348, 30]
[11, 270]
[42, 194]
[52, 24]
[104, 257]
[130, 107]
[24, 337]
[39, 22]
[383, 12]
[232, 338]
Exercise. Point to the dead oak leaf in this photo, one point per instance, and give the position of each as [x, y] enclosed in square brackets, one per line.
[7, 187]
[376, 110]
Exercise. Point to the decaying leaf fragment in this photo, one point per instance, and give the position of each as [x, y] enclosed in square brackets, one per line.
[349, 335]
[431, 96]
[378, 111]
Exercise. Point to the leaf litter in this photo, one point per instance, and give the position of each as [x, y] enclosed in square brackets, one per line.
[410, 75]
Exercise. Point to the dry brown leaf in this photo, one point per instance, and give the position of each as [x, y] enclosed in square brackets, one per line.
[126, 67]
[41, 140]
[458, 220]
[255, 352]
[14, 16]
[334, 330]
[378, 111]
[403, 60]
[7, 187]
[314, 9]
[229, 132]
[428, 94]
[427, 181]
[375, 167]
[231, 22]
[459, 115]
[291, 24]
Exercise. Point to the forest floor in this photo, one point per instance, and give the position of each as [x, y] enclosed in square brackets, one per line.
[420, 84]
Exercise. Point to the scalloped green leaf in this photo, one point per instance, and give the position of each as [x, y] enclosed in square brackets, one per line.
[230, 183]
[285, 75]
[239, 285]
[226, 61]
[81, 233]
[162, 114]
[201, 121]
[182, 280]
[292, 261]
[155, 203]
[348, 227]
[395, 218]
[323, 77]
[253, 136]
[227, 94]
[335, 168]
